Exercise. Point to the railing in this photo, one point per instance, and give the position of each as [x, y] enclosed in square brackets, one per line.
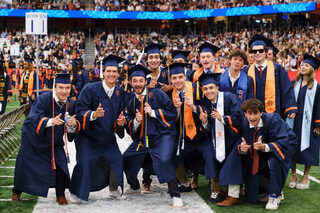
[10, 132]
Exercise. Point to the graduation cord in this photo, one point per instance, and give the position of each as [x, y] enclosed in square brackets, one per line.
[65, 138]
[146, 139]
[53, 164]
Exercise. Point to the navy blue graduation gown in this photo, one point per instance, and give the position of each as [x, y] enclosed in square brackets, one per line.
[96, 144]
[200, 142]
[309, 156]
[33, 171]
[163, 78]
[229, 170]
[35, 87]
[6, 92]
[285, 101]
[233, 89]
[161, 133]
[282, 143]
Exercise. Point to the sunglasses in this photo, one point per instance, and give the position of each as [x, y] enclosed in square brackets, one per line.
[256, 51]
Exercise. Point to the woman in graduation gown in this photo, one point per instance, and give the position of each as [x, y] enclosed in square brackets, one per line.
[307, 123]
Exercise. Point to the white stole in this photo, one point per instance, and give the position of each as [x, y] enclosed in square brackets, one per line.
[220, 139]
[307, 114]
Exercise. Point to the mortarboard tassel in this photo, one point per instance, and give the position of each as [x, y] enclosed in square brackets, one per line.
[249, 60]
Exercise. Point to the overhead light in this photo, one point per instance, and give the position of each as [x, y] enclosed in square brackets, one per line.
[186, 21]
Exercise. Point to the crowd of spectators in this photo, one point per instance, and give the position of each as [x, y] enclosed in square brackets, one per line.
[289, 42]
[56, 50]
[140, 5]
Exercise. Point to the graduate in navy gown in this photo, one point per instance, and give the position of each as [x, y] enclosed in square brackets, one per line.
[101, 113]
[306, 124]
[271, 82]
[151, 118]
[222, 125]
[5, 88]
[180, 56]
[236, 81]
[159, 77]
[28, 83]
[267, 147]
[190, 138]
[43, 155]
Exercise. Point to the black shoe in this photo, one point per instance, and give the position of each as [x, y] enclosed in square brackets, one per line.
[183, 188]
[220, 197]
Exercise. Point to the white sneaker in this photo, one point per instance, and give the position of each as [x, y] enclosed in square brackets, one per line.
[132, 191]
[116, 194]
[273, 203]
[281, 196]
[177, 202]
[74, 199]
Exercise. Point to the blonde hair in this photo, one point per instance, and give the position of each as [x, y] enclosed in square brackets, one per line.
[311, 76]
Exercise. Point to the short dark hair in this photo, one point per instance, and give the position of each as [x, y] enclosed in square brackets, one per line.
[253, 105]
[238, 52]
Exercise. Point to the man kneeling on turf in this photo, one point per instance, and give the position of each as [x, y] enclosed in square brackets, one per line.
[268, 144]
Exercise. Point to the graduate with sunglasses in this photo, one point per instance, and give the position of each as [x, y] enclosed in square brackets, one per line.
[271, 82]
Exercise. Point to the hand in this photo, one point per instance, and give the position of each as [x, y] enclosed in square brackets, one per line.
[9, 100]
[153, 82]
[57, 120]
[121, 119]
[259, 145]
[99, 112]
[216, 114]
[317, 130]
[244, 147]
[165, 87]
[72, 121]
[147, 108]
[33, 97]
[291, 116]
[203, 117]
[177, 102]
[189, 103]
[138, 116]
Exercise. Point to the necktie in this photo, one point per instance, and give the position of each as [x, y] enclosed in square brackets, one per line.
[141, 111]
[60, 104]
[255, 165]
[260, 69]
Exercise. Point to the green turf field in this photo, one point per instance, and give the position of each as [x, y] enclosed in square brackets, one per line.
[295, 200]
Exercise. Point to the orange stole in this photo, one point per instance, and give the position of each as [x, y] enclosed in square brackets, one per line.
[199, 72]
[270, 90]
[191, 129]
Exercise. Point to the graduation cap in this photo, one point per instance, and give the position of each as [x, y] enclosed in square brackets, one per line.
[154, 48]
[28, 60]
[63, 78]
[127, 63]
[273, 48]
[139, 70]
[180, 54]
[209, 78]
[260, 40]
[177, 68]
[76, 61]
[112, 60]
[314, 62]
[208, 47]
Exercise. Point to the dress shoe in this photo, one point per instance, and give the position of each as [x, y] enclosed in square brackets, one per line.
[194, 182]
[217, 197]
[145, 188]
[229, 201]
[183, 188]
[264, 199]
[62, 200]
[16, 197]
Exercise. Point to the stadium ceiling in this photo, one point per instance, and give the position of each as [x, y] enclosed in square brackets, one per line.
[188, 14]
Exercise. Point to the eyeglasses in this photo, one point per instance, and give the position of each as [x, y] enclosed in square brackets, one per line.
[256, 51]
